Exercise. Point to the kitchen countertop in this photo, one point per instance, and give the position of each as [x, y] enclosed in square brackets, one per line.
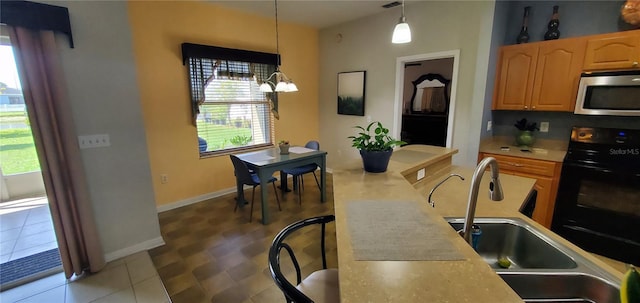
[548, 150]
[468, 280]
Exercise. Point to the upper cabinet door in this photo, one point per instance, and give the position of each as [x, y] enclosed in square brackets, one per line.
[558, 74]
[515, 77]
[613, 51]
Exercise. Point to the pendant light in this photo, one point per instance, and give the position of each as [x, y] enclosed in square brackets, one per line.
[402, 32]
[282, 83]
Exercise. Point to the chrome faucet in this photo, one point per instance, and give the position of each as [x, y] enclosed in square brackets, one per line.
[433, 203]
[495, 193]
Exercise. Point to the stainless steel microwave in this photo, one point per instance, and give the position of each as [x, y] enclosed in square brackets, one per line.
[609, 93]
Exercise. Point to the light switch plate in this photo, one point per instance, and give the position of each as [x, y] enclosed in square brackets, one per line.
[93, 141]
[420, 174]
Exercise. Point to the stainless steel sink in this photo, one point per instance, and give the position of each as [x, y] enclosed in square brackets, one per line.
[562, 287]
[517, 241]
[542, 270]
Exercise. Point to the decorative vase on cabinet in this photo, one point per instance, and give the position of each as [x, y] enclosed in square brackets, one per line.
[552, 29]
[525, 138]
[523, 36]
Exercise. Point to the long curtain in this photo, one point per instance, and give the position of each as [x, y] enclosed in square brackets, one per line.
[54, 135]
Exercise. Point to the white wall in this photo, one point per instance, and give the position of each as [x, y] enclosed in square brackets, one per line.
[366, 45]
[101, 78]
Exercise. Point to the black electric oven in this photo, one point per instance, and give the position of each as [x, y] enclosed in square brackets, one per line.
[598, 202]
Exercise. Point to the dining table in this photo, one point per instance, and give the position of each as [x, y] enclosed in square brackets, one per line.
[265, 163]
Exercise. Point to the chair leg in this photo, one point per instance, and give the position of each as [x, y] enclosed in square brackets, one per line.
[315, 177]
[300, 190]
[253, 195]
[275, 191]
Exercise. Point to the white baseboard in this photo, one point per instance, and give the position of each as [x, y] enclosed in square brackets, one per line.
[196, 199]
[215, 194]
[146, 245]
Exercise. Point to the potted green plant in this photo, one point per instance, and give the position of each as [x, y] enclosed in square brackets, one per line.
[375, 149]
[524, 136]
[284, 147]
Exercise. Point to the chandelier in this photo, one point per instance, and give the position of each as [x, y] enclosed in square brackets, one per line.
[278, 79]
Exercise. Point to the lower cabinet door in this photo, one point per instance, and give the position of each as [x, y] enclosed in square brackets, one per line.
[543, 202]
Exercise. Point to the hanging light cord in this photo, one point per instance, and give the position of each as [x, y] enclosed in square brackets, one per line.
[284, 84]
[402, 13]
[277, 37]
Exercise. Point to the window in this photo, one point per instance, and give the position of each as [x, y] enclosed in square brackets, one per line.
[230, 112]
[17, 150]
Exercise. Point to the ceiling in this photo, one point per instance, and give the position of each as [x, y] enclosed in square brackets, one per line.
[314, 13]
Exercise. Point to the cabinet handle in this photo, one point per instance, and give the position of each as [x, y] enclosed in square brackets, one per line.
[526, 107]
[515, 164]
[533, 107]
[635, 64]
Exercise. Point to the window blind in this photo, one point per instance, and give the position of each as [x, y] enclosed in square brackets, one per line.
[229, 110]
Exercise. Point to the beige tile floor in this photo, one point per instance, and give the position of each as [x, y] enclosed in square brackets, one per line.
[132, 279]
[26, 228]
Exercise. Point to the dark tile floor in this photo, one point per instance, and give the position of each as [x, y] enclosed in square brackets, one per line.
[213, 254]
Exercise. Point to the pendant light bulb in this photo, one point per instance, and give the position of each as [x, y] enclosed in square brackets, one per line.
[402, 32]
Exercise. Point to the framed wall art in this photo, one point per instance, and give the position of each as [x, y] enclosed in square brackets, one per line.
[351, 93]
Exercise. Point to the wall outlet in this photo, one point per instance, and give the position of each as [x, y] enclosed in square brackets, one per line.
[93, 141]
[420, 174]
[489, 126]
[544, 127]
[164, 178]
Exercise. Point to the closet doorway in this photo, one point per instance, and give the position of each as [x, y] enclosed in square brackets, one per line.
[425, 98]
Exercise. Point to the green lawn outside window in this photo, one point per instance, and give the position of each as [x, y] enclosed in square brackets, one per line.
[17, 150]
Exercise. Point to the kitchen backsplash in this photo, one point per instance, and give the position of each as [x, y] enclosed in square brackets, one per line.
[560, 123]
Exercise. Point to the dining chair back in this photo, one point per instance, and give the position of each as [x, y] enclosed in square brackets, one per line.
[313, 145]
[298, 172]
[245, 176]
[321, 285]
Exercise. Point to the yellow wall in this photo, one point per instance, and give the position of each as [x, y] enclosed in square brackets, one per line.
[158, 29]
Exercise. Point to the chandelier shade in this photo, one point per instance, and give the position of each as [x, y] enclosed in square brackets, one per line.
[280, 83]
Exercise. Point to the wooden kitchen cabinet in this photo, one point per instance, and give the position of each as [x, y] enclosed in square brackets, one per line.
[547, 175]
[620, 50]
[515, 76]
[546, 200]
[541, 76]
